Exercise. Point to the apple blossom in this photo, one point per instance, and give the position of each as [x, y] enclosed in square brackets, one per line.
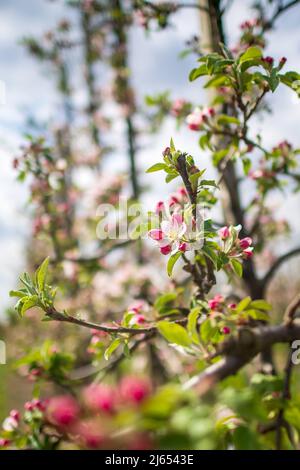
[178, 107]
[100, 398]
[89, 433]
[198, 117]
[15, 415]
[134, 389]
[245, 243]
[224, 233]
[4, 442]
[248, 252]
[156, 234]
[62, 410]
[170, 236]
[10, 424]
[216, 302]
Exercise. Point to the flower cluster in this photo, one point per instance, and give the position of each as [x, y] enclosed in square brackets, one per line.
[89, 421]
[233, 246]
[199, 117]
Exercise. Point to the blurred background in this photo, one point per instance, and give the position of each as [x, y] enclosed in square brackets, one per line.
[156, 65]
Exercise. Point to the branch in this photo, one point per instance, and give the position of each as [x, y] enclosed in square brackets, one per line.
[53, 314]
[240, 350]
[280, 10]
[176, 6]
[291, 310]
[269, 275]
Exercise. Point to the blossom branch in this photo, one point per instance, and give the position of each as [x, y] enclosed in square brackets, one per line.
[240, 350]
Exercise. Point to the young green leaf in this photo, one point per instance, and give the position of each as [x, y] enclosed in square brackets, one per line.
[237, 267]
[261, 305]
[111, 348]
[171, 262]
[174, 333]
[41, 274]
[156, 167]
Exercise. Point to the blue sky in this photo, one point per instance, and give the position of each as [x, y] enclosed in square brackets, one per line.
[156, 67]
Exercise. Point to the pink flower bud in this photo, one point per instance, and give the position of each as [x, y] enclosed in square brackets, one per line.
[195, 120]
[166, 151]
[226, 330]
[134, 389]
[245, 243]
[4, 442]
[62, 410]
[38, 404]
[248, 252]
[159, 207]
[140, 319]
[173, 200]
[182, 192]
[15, 415]
[166, 250]
[216, 302]
[137, 306]
[100, 398]
[269, 60]
[232, 306]
[89, 433]
[28, 406]
[224, 233]
[183, 247]
[178, 107]
[283, 60]
[156, 234]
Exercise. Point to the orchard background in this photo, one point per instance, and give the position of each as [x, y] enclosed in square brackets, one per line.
[183, 334]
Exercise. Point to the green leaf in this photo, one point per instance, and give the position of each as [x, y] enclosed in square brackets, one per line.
[273, 80]
[237, 267]
[251, 53]
[224, 119]
[171, 262]
[207, 330]
[209, 252]
[192, 324]
[199, 72]
[261, 305]
[174, 333]
[17, 293]
[172, 146]
[111, 348]
[246, 165]
[41, 274]
[243, 304]
[209, 183]
[171, 176]
[28, 303]
[164, 300]
[156, 167]
[258, 315]
[249, 63]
